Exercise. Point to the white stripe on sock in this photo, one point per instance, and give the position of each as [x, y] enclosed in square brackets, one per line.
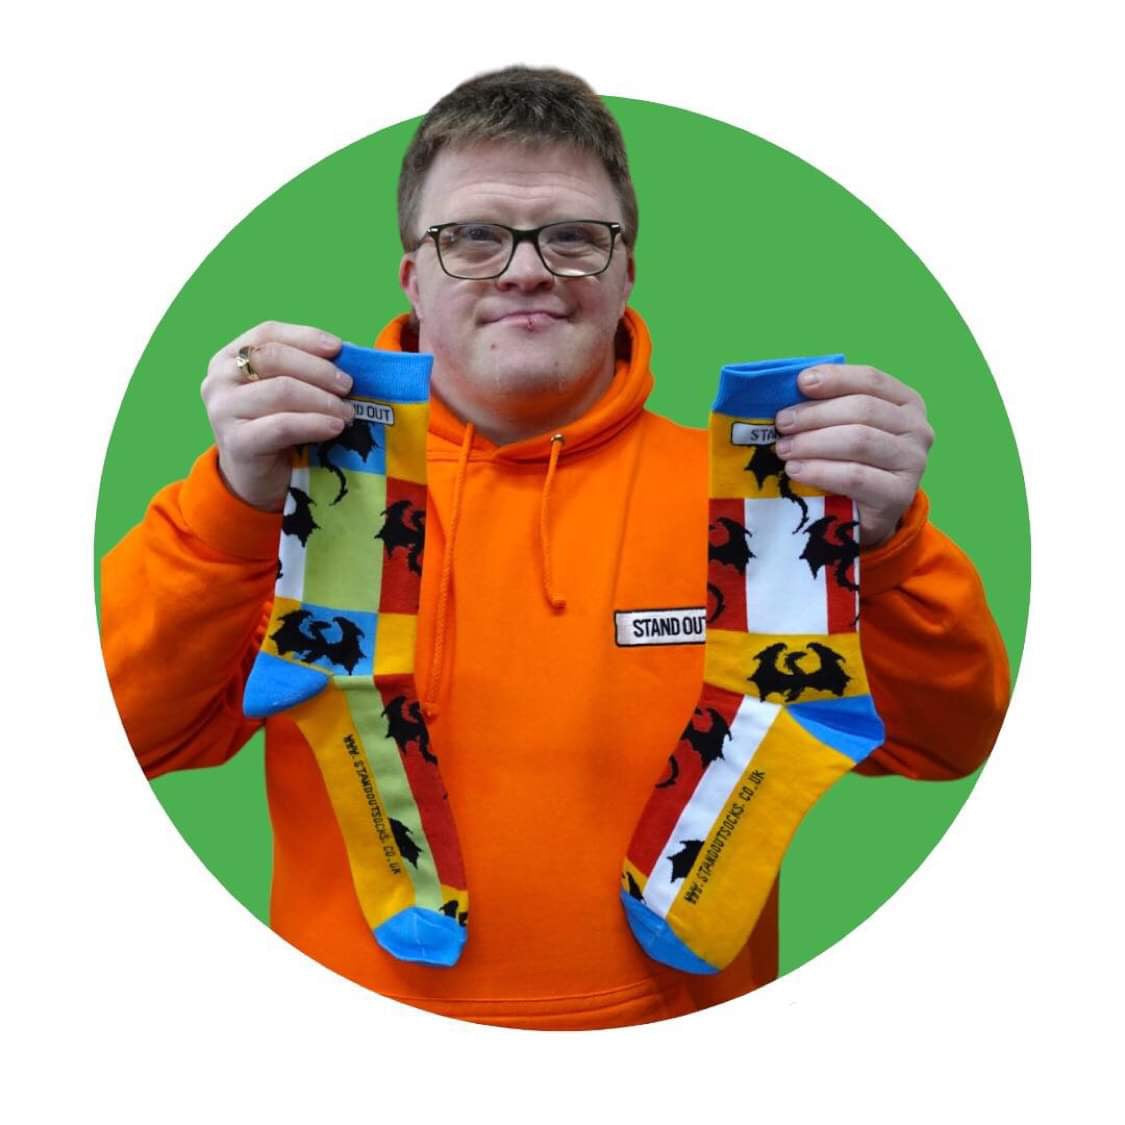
[751, 722]
[782, 594]
[291, 584]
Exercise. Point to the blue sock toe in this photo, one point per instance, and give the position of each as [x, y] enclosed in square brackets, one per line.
[417, 934]
[657, 939]
[275, 684]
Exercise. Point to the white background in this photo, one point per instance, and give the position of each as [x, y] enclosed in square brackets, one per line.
[137, 990]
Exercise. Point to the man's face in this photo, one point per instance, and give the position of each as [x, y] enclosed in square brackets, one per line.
[490, 356]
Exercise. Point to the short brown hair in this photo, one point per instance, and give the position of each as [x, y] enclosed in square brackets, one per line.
[523, 105]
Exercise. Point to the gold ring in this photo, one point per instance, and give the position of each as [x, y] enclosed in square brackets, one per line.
[246, 369]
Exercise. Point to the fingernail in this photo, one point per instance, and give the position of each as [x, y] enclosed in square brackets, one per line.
[337, 425]
[330, 341]
[786, 417]
[792, 468]
[343, 381]
[784, 445]
[810, 377]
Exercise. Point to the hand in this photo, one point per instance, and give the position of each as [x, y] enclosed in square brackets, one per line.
[297, 399]
[867, 439]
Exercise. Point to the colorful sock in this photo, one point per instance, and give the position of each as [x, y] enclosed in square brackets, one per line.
[785, 708]
[339, 655]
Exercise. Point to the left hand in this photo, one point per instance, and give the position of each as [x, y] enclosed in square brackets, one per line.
[866, 438]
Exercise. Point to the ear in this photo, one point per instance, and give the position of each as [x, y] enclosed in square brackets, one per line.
[630, 279]
[408, 280]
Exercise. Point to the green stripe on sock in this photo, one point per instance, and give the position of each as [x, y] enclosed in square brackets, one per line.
[386, 762]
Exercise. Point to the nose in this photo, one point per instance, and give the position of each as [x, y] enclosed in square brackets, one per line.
[526, 270]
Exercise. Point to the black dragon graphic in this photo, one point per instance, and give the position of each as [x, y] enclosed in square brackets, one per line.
[792, 681]
[356, 436]
[449, 909]
[684, 860]
[765, 463]
[840, 552]
[733, 552]
[398, 530]
[406, 725]
[632, 887]
[404, 841]
[300, 521]
[310, 644]
[708, 744]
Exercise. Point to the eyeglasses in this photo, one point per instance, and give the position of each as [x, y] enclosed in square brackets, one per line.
[480, 251]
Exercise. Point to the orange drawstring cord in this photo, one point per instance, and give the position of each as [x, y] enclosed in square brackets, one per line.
[437, 663]
[556, 601]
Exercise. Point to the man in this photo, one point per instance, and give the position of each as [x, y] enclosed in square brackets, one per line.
[555, 501]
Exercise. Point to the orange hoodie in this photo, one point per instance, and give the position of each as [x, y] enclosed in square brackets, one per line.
[550, 735]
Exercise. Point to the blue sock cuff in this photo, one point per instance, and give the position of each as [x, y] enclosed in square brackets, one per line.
[761, 389]
[392, 376]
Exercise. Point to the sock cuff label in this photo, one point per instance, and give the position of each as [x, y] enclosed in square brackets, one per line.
[368, 411]
[660, 626]
[753, 433]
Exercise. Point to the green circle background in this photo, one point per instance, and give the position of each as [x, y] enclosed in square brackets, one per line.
[745, 252]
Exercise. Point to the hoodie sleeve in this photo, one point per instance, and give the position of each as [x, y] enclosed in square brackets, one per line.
[185, 603]
[935, 660]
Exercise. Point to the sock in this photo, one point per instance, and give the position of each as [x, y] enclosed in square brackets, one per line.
[338, 655]
[785, 708]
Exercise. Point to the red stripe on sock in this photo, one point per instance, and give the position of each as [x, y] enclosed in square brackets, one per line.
[726, 584]
[685, 768]
[402, 539]
[400, 699]
[843, 604]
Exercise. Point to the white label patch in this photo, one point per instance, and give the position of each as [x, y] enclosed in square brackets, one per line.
[752, 433]
[661, 626]
[370, 411]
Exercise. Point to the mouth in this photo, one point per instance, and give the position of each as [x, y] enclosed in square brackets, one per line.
[531, 319]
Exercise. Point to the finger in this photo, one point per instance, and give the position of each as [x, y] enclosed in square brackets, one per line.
[273, 360]
[315, 341]
[833, 379]
[861, 444]
[285, 394]
[861, 410]
[275, 432]
[875, 488]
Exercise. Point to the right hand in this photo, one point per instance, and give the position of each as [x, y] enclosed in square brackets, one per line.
[299, 398]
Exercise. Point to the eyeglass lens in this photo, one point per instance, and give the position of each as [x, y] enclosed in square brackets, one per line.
[477, 250]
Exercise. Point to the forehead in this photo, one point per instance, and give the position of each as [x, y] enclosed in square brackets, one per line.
[518, 184]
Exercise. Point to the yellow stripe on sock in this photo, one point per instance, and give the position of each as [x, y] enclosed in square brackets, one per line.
[730, 477]
[406, 442]
[379, 873]
[721, 898]
[733, 657]
[394, 643]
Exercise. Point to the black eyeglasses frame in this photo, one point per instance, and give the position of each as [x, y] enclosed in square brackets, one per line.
[528, 234]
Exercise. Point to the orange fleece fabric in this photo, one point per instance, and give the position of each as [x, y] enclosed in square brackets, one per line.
[550, 736]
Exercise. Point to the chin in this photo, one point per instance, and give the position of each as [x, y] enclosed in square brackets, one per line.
[520, 375]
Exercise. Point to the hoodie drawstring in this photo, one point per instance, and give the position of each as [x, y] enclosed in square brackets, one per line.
[556, 601]
[437, 663]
